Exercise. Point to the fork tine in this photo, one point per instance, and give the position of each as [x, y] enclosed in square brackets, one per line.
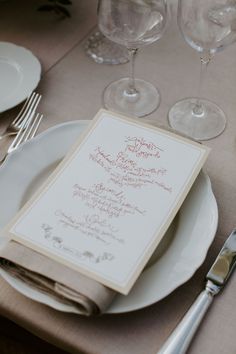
[21, 133]
[36, 102]
[26, 104]
[34, 131]
[26, 129]
[30, 107]
[33, 128]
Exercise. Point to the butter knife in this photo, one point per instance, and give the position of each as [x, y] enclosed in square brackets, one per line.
[180, 339]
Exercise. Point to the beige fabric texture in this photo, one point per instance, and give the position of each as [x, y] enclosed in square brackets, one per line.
[72, 86]
[55, 279]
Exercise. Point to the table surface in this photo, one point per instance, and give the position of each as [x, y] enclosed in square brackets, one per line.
[72, 86]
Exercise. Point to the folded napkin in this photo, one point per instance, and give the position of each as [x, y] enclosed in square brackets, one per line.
[57, 280]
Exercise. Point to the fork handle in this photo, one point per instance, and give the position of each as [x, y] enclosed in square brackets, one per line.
[181, 337]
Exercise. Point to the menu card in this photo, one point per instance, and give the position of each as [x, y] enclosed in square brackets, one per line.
[108, 204]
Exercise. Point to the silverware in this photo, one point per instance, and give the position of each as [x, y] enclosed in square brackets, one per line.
[181, 337]
[27, 131]
[28, 108]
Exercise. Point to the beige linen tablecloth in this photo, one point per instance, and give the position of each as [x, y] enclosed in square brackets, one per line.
[72, 85]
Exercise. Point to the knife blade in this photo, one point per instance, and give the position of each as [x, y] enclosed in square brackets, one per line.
[180, 339]
[225, 262]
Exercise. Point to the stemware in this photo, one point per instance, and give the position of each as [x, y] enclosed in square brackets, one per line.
[208, 26]
[132, 23]
[103, 51]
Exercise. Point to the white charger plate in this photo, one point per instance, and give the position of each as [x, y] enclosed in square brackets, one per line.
[181, 252]
[20, 73]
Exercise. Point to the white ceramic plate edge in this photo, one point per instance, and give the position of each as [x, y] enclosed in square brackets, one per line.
[33, 77]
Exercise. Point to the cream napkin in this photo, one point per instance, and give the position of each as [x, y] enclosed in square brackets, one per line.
[57, 280]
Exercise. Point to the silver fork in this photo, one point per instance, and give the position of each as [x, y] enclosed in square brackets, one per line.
[28, 108]
[27, 131]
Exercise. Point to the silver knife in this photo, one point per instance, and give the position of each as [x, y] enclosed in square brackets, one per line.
[180, 339]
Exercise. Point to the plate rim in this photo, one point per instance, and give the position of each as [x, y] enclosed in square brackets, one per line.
[112, 310]
[34, 76]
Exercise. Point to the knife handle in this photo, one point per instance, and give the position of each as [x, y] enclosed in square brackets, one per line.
[181, 337]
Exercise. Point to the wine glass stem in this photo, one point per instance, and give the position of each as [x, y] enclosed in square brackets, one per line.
[131, 88]
[205, 58]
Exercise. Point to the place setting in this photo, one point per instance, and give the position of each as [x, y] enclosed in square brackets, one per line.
[111, 215]
[199, 207]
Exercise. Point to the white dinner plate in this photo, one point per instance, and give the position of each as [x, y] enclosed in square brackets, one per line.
[20, 73]
[180, 253]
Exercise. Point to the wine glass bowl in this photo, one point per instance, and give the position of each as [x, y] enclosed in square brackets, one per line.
[100, 49]
[208, 26]
[134, 24]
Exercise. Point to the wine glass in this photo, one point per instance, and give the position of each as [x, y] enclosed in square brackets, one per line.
[132, 23]
[208, 26]
[103, 51]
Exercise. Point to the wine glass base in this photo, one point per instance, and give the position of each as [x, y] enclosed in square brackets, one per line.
[104, 51]
[205, 126]
[147, 100]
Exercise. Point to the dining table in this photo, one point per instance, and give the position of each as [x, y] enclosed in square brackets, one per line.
[71, 86]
